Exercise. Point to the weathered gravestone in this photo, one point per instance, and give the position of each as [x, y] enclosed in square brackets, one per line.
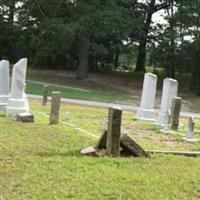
[4, 84]
[114, 131]
[128, 147]
[55, 107]
[146, 110]
[45, 95]
[131, 148]
[170, 90]
[175, 111]
[190, 132]
[18, 102]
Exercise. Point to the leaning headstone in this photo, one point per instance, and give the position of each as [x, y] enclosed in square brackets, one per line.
[4, 84]
[175, 111]
[18, 102]
[146, 110]
[128, 146]
[45, 95]
[167, 125]
[55, 107]
[131, 148]
[189, 136]
[114, 131]
[25, 117]
[170, 90]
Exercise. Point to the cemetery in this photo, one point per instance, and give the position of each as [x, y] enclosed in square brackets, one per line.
[50, 147]
[99, 100]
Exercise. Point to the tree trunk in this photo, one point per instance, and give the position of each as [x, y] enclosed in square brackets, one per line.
[11, 11]
[82, 72]
[140, 66]
[116, 58]
[172, 44]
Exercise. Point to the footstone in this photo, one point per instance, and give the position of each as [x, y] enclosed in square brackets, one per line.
[4, 84]
[45, 95]
[190, 133]
[18, 102]
[55, 107]
[114, 131]
[175, 111]
[131, 148]
[170, 90]
[25, 117]
[146, 110]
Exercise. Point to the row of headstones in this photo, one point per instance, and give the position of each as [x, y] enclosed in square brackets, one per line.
[13, 101]
[146, 110]
[170, 109]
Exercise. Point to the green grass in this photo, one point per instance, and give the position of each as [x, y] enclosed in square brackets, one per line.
[196, 105]
[39, 161]
[93, 94]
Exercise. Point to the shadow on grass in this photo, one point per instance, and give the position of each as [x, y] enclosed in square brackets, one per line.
[62, 154]
[2, 115]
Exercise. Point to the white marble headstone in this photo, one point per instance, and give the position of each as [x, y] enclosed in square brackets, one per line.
[18, 100]
[170, 90]
[4, 83]
[146, 110]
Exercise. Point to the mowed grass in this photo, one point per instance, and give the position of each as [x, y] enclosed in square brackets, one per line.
[91, 94]
[39, 161]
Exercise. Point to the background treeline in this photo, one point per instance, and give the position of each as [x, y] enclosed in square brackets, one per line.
[104, 35]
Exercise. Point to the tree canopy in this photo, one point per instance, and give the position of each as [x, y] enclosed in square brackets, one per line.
[99, 35]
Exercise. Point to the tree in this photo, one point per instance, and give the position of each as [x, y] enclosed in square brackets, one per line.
[148, 8]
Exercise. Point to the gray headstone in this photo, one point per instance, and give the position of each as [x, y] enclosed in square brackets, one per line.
[114, 131]
[170, 90]
[55, 107]
[4, 84]
[45, 95]
[175, 111]
[190, 132]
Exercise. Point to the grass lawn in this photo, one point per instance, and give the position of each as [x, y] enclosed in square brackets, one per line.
[39, 161]
[92, 94]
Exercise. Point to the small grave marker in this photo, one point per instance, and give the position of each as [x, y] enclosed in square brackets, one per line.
[55, 107]
[45, 95]
[175, 111]
[114, 131]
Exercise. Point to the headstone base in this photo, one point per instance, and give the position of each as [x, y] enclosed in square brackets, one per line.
[3, 101]
[145, 114]
[190, 140]
[25, 117]
[16, 106]
[89, 151]
[161, 119]
[166, 132]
